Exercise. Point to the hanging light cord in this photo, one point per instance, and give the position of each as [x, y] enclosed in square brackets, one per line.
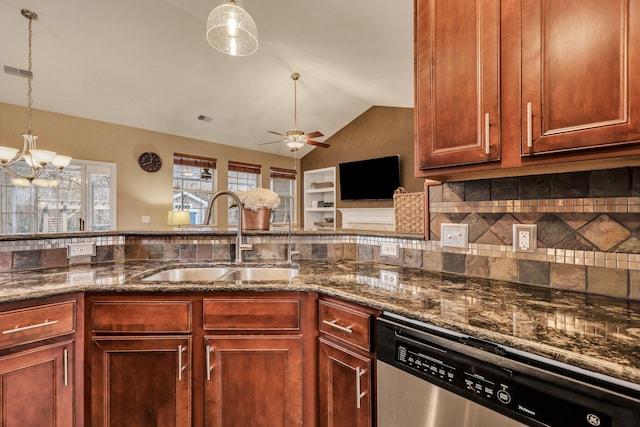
[31, 16]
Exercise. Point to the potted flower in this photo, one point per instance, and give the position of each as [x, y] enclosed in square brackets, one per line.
[257, 204]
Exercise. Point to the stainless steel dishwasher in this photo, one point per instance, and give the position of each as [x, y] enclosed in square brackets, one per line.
[431, 377]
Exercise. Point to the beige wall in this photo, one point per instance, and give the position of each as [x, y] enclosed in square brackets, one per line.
[378, 132]
[139, 193]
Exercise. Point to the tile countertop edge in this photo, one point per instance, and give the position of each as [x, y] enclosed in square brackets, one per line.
[43, 284]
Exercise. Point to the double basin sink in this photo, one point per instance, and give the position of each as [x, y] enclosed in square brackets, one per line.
[215, 274]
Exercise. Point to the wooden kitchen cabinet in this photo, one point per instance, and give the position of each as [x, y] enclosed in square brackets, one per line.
[141, 381]
[457, 82]
[253, 361]
[253, 380]
[38, 363]
[558, 79]
[580, 74]
[140, 361]
[37, 387]
[346, 364]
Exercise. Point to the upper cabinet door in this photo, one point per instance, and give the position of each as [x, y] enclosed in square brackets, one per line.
[457, 114]
[577, 65]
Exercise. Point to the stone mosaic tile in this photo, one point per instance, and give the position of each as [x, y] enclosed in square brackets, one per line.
[576, 220]
[631, 245]
[453, 262]
[365, 252]
[571, 277]
[634, 285]
[503, 269]
[453, 192]
[630, 221]
[604, 233]
[477, 190]
[27, 259]
[204, 251]
[535, 187]
[570, 185]
[635, 182]
[503, 229]
[318, 251]
[607, 281]
[576, 242]
[477, 266]
[533, 272]
[432, 260]
[435, 193]
[477, 226]
[54, 258]
[412, 257]
[505, 189]
[6, 259]
[552, 230]
[224, 252]
[489, 238]
[610, 182]
[528, 218]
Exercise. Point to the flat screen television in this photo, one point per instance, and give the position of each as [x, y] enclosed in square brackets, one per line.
[372, 179]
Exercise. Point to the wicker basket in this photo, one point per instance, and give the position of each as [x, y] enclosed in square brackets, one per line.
[409, 212]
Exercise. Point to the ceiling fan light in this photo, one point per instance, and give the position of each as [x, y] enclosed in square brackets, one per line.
[231, 30]
[295, 144]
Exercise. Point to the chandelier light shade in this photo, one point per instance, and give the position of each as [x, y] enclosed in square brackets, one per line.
[231, 30]
[37, 160]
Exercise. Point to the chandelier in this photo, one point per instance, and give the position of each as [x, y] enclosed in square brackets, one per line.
[37, 160]
[231, 30]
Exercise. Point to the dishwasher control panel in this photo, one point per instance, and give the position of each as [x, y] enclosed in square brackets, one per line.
[494, 386]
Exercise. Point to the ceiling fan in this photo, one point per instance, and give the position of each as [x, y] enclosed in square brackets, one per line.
[294, 138]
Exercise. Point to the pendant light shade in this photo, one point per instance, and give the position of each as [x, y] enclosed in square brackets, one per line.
[231, 30]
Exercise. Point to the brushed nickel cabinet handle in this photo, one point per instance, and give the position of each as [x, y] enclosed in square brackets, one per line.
[26, 328]
[207, 354]
[359, 393]
[181, 368]
[333, 324]
[487, 145]
[65, 362]
[529, 125]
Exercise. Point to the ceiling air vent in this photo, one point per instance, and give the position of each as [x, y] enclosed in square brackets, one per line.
[17, 71]
[204, 118]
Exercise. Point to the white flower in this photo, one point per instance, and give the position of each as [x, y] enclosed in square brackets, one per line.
[258, 198]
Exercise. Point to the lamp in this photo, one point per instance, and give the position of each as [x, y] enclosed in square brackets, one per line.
[179, 218]
[37, 160]
[231, 30]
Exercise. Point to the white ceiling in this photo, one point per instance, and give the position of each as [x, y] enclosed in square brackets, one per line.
[147, 64]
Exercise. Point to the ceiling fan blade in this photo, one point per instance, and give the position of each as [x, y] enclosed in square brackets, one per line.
[318, 143]
[270, 142]
[276, 133]
[315, 134]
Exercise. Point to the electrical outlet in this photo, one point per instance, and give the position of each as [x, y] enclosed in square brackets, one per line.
[389, 249]
[146, 219]
[75, 250]
[525, 237]
[389, 277]
[454, 236]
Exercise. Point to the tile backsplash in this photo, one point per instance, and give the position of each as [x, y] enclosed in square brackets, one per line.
[588, 229]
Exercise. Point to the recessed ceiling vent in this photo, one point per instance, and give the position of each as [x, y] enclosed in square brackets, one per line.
[204, 118]
[17, 71]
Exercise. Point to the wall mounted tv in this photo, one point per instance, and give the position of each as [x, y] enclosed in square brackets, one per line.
[373, 179]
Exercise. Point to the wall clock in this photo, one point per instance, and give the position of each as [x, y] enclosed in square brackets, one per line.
[150, 162]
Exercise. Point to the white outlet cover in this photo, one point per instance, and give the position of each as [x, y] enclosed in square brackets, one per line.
[525, 238]
[454, 235]
[389, 249]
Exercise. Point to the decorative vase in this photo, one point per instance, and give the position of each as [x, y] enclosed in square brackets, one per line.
[256, 220]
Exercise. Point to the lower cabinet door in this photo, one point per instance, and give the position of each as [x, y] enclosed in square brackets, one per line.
[141, 381]
[345, 387]
[37, 387]
[253, 381]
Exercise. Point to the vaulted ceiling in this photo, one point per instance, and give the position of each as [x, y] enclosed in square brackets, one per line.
[147, 64]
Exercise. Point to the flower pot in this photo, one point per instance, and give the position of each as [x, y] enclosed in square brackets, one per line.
[258, 220]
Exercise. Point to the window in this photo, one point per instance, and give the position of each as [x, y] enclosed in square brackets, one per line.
[81, 197]
[283, 182]
[193, 184]
[242, 176]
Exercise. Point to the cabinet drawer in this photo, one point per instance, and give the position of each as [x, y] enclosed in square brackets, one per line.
[37, 323]
[141, 316]
[252, 314]
[346, 323]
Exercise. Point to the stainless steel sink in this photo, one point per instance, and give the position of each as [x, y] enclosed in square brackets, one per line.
[214, 274]
[204, 274]
[260, 273]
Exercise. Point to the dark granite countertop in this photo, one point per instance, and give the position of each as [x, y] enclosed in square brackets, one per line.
[597, 333]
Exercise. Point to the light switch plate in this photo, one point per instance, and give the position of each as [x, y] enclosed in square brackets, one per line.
[454, 235]
[525, 238]
[389, 249]
[75, 250]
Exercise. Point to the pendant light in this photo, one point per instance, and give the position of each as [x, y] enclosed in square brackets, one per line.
[231, 30]
[37, 160]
